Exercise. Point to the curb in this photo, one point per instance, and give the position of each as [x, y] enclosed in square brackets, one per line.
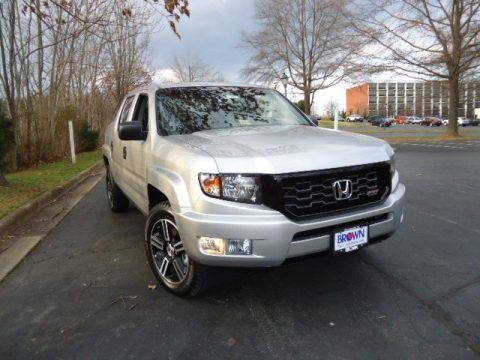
[10, 222]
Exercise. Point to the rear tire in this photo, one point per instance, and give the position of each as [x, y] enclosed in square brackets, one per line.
[167, 257]
[117, 201]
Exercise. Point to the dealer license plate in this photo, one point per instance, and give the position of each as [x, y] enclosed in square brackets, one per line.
[350, 239]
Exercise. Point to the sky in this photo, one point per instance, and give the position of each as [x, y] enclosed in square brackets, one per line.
[213, 33]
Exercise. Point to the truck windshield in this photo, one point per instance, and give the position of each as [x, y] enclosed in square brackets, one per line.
[185, 110]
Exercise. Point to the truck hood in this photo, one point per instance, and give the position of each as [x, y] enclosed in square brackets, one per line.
[285, 149]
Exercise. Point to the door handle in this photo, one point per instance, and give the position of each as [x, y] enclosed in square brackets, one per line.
[124, 152]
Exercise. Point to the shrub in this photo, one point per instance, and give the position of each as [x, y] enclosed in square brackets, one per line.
[301, 105]
[88, 137]
[6, 136]
[6, 142]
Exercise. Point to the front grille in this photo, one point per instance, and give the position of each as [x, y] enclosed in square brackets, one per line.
[310, 194]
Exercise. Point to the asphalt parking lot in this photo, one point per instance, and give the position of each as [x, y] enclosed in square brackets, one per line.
[83, 293]
[408, 130]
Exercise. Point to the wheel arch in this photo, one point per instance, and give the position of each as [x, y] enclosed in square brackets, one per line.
[155, 196]
[106, 155]
[164, 185]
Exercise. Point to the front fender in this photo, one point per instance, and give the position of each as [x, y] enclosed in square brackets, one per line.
[171, 185]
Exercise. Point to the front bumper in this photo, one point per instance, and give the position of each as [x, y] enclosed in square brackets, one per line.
[276, 238]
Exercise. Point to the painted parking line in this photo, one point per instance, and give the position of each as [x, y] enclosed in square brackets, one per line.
[439, 145]
[459, 143]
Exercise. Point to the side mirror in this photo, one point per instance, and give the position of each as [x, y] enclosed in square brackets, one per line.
[132, 130]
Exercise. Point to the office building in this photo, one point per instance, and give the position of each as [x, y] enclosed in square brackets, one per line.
[411, 98]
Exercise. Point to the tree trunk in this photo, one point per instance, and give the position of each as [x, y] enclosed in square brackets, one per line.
[306, 101]
[453, 83]
[13, 163]
[3, 182]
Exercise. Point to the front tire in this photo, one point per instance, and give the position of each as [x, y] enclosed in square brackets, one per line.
[167, 257]
[117, 201]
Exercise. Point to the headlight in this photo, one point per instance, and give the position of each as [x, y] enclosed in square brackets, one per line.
[393, 173]
[235, 187]
[392, 165]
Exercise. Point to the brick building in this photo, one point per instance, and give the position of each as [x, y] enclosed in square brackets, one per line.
[413, 98]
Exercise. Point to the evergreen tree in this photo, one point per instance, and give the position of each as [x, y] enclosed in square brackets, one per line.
[6, 142]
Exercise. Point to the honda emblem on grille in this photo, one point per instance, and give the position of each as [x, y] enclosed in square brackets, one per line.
[342, 189]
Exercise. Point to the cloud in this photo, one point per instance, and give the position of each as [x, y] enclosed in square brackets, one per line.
[164, 76]
[213, 32]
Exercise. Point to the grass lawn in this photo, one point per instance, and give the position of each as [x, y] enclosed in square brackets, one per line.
[432, 138]
[434, 134]
[28, 184]
[364, 127]
[355, 126]
[341, 124]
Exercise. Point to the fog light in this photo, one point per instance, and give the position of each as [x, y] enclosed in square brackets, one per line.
[211, 246]
[239, 247]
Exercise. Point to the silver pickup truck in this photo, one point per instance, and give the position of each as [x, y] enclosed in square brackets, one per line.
[236, 176]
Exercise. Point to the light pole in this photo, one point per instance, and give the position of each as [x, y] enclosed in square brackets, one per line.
[284, 80]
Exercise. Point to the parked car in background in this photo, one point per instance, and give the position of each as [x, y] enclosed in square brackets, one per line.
[355, 118]
[431, 121]
[314, 118]
[445, 121]
[401, 120]
[463, 121]
[377, 120]
[413, 120]
[391, 120]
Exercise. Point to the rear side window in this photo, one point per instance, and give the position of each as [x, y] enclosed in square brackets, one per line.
[126, 109]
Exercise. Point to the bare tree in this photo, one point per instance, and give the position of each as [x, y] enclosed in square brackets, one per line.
[126, 51]
[192, 68]
[10, 69]
[308, 39]
[330, 108]
[67, 60]
[424, 39]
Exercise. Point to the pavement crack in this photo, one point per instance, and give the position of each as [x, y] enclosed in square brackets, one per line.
[399, 307]
[45, 259]
[275, 343]
[456, 289]
[449, 221]
[435, 309]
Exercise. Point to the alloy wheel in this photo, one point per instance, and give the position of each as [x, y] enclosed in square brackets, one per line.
[167, 251]
[109, 188]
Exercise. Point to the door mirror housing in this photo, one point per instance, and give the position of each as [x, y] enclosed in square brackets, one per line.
[132, 130]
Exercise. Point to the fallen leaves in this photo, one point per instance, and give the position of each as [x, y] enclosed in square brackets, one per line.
[231, 341]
